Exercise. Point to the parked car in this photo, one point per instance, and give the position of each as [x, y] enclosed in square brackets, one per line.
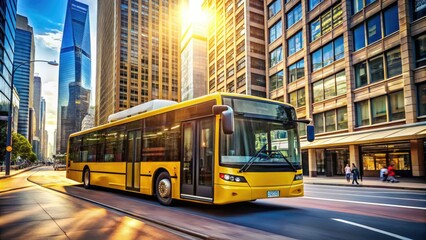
[59, 166]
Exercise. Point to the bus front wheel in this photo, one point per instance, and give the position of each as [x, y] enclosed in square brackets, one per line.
[86, 178]
[163, 189]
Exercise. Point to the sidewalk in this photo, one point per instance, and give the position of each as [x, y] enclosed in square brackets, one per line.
[415, 183]
[14, 172]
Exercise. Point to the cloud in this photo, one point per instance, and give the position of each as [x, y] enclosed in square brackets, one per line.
[51, 39]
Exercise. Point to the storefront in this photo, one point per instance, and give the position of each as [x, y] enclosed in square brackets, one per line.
[375, 157]
[370, 150]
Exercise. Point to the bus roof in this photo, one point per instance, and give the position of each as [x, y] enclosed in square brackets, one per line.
[213, 96]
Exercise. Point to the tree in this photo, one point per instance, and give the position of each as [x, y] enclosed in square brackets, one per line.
[21, 147]
[33, 157]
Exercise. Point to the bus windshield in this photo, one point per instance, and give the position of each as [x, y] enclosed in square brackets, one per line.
[251, 135]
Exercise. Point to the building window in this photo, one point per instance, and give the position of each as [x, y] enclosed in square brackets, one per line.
[295, 43]
[358, 5]
[375, 66]
[276, 81]
[421, 96]
[329, 87]
[359, 37]
[376, 69]
[275, 56]
[294, 15]
[374, 32]
[381, 109]
[327, 21]
[296, 71]
[396, 102]
[274, 8]
[297, 98]
[375, 157]
[373, 27]
[313, 4]
[393, 63]
[362, 113]
[420, 48]
[275, 31]
[391, 20]
[330, 121]
[419, 9]
[328, 54]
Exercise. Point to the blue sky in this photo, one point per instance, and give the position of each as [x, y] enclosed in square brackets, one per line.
[47, 18]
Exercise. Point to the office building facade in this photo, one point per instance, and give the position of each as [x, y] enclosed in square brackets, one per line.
[193, 53]
[23, 77]
[138, 54]
[236, 47]
[74, 73]
[7, 46]
[356, 68]
[37, 115]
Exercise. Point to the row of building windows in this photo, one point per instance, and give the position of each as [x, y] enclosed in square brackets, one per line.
[327, 21]
[327, 54]
[370, 31]
[336, 119]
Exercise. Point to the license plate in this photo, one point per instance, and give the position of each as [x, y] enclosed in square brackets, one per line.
[273, 193]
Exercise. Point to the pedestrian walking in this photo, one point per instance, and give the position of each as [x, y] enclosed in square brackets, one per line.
[391, 173]
[355, 174]
[384, 174]
[348, 172]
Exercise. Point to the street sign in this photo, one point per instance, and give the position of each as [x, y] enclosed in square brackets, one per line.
[9, 148]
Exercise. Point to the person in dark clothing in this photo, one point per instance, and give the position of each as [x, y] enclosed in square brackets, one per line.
[355, 174]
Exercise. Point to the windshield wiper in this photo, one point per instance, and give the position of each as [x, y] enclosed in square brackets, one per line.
[247, 165]
[280, 153]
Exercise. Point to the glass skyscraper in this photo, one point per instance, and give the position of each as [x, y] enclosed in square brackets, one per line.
[7, 39]
[74, 73]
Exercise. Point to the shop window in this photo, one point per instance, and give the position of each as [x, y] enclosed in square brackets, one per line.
[375, 157]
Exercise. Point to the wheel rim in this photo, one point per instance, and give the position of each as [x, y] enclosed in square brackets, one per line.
[164, 188]
[86, 178]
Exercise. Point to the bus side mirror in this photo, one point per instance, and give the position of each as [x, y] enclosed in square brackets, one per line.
[310, 133]
[227, 117]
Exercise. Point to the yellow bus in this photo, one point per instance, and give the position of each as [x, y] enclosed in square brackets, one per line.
[215, 149]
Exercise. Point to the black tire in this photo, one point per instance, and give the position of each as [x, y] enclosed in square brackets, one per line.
[86, 178]
[163, 189]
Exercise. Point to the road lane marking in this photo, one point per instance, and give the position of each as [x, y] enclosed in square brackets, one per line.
[348, 194]
[366, 203]
[372, 229]
[365, 190]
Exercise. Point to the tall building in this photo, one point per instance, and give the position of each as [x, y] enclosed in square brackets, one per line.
[137, 54]
[43, 132]
[74, 73]
[37, 115]
[7, 41]
[193, 53]
[356, 68]
[23, 78]
[236, 47]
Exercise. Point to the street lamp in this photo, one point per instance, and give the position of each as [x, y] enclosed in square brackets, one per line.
[9, 117]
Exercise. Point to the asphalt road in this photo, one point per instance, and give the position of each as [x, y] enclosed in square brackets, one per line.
[326, 212]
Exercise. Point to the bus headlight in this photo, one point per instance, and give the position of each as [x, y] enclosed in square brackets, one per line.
[232, 178]
[298, 177]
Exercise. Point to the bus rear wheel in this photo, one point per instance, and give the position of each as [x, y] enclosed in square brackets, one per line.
[86, 178]
[163, 189]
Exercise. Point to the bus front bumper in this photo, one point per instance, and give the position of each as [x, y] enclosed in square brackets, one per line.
[225, 194]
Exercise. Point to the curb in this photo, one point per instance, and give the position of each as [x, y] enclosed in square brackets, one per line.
[368, 186]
